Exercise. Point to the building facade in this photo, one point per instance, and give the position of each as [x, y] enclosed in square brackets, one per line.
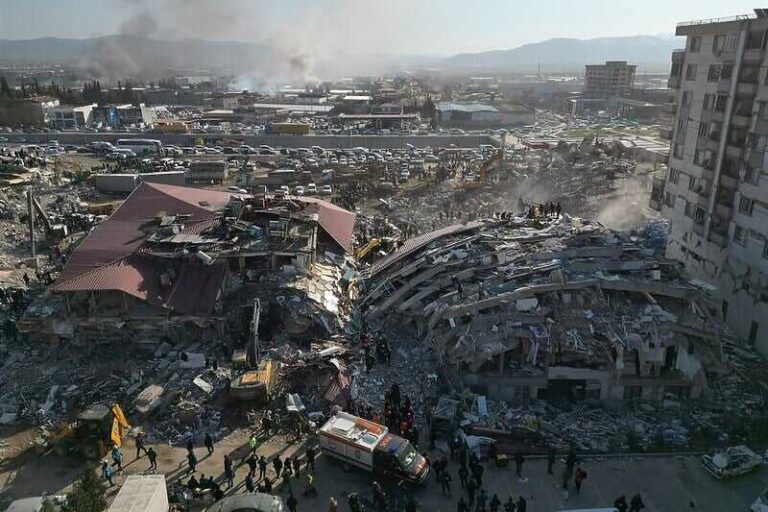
[614, 78]
[716, 191]
[66, 117]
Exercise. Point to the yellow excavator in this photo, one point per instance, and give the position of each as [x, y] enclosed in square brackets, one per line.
[372, 245]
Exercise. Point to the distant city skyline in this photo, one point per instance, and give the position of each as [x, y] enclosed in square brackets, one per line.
[426, 27]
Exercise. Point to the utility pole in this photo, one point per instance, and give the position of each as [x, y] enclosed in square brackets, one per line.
[31, 223]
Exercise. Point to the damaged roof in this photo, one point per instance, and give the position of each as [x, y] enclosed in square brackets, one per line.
[108, 259]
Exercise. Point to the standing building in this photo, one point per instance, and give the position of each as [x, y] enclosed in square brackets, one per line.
[715, 193]
[66, 117]
[614, 78]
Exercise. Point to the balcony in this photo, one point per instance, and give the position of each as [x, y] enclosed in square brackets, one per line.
[674, 81]
[746, 88]
[719, 239]
[741, 119]
[754, 55]
[724, 85]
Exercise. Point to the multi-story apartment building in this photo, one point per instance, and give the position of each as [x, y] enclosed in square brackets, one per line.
[612, 79]
[716, 191]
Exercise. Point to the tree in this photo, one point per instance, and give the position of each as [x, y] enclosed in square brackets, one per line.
[87, 495]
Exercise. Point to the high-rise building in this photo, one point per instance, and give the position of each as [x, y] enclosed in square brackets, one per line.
[614, 78]
[716, 192]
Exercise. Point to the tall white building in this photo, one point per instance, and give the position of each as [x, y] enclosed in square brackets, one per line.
[716, 193]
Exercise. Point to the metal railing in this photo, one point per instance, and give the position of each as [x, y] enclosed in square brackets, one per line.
[738, 17]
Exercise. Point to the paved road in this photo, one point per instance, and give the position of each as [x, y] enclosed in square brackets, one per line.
[666, 483]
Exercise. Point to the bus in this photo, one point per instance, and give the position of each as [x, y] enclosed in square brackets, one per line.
[140, 146]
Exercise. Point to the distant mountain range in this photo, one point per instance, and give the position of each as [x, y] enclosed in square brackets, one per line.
[562, 54]
[121, 56]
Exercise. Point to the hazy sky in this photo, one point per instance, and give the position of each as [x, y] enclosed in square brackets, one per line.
[435, 27]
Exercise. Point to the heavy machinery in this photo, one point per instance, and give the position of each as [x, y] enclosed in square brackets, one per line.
[92, 434]
[482, 174]
[365, 250]
[54, 233]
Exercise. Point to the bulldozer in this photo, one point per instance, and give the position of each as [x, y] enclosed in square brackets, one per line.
[92, 434]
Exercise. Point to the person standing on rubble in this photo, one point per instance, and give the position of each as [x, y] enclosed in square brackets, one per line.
[249, 483]
[208, 442]
[558, 210]
[495, 503]
[311, 458]
[266, 425]
[292, 502]
[550, 460]
[379, 498]
[277, 464]
[117, 458]
[445, 482]
[296, 466]
[140, 445]
[190, 445]
[636, 503]
[462, 506]
[252, 463]
[510, 506]
[519, 460]
[229, 471]
[262, 467]
[152, 456]
[581, 475]
[287, 473]
[463, 474]
[471, 488]
[192, 461]
[482, 499]
[106, 472]
[267, 485]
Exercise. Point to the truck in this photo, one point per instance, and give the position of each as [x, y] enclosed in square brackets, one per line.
[370, 446]
[215, 171]
[733, 461]
[142, 493]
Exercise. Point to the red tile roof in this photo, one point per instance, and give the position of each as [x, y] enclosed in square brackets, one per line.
[336, 221]
[107, 259]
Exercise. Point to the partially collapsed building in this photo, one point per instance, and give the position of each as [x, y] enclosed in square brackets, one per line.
[550, 308]
[169, 257]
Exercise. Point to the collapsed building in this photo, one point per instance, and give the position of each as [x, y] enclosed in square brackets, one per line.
[168, 260]
[547, 308]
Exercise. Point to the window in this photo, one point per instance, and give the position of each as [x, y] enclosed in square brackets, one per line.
[731, 42]
[740, 235]
[762, 112]
[726, 71]
[718, 42]
[699, 216]
[678, 152]
[709, 102]
[690, 72]
[686, 99]
[703, 129]
[695, 44]
[745, 205]
[743, 105]
[756, 40]
[674, 175]
[749, 73]
[688, 209]
[682, 127]
[713, 74]
[669, 199]
[714, 130]
[720, 102]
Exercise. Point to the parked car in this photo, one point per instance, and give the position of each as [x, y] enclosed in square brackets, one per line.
[326, 190]
[236, 190]
[311, 188]
[733, 461]
[299, 190]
